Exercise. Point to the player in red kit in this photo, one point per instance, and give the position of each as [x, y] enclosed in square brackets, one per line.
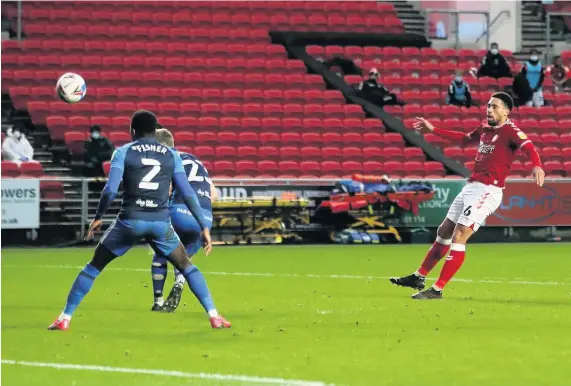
[499, 139]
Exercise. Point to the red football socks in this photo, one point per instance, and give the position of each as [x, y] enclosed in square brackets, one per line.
[451, 266]
[438, 250]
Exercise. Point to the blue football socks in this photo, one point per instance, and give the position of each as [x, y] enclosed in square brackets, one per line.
[199, 288]
[81, 286]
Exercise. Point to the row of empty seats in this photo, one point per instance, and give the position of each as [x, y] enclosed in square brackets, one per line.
[341, 17]
[49, 190]
[266, 146]
[232, 138]
[295, 79]
[389, 54]
[131, 63]
[190, 123]
[118, 47]
[324, 169]
[30, 169]
[152, 94]
[156, 25]
[322, 7]
[121, 34]
[40, 110]
[226, 110]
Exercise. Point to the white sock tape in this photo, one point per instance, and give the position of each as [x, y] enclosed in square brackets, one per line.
[442, 241]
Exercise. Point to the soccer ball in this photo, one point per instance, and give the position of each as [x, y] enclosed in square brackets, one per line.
[71, 88]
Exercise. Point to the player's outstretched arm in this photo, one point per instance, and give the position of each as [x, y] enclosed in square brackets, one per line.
[108, 193]
[423, 126]
[537, 172]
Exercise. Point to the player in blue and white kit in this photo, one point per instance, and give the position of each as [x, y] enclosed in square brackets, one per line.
[147, 170]
[188, 230]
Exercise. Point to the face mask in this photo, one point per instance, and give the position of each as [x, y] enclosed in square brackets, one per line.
[533, 58]
[96, 135]
[494, 51]
[458, 79]
[17, 134]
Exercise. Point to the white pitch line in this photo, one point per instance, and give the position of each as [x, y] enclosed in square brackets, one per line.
[168, 373]
[262, 274]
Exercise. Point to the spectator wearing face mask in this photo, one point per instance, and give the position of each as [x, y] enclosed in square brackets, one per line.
[16, 147]
[98, 149]
[559, 74]
[374, 92]
[494, 64]
[534, 72]
[459, 92]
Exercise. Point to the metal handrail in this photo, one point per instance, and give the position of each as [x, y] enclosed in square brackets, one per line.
[548, 49]
[19, 24]
[491, 24]
[456, 14]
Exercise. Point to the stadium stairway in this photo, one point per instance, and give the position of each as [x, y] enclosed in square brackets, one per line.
[410, 15]
[534, 28]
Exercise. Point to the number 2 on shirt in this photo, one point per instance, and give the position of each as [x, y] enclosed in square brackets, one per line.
[146, 181]
[192, 175]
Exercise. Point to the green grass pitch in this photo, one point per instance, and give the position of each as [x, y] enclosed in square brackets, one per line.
[308, 313]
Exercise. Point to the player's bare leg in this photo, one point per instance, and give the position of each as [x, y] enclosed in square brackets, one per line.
[436, 252]
[452, 265]
[173, 300]
[197, 285]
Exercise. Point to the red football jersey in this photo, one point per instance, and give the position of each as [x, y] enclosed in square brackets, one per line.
[498, 146]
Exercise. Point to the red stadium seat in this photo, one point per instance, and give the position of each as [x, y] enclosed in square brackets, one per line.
[246, 167]
[205, 152]
[225, 168]
[393, 168]
[119, 138]
[10, 169]
[554, 167]
[32, 169]
[414, 154]
[455, 153]
[331, 167]
[310, 167]
[393, 154]
[435, 168]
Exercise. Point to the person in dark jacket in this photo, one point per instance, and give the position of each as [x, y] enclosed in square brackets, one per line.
[376, 93]
[459, 92]
[494, 64]
[98, 149]
[521, 90]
